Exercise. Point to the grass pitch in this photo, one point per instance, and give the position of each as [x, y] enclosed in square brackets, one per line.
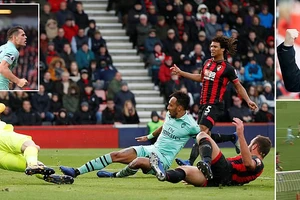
[18, 186]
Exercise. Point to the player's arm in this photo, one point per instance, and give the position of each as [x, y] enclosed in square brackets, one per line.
[150, 136]
[286, 57]
[5, 71]
[242, 92]
[245, 152]
[193, 77]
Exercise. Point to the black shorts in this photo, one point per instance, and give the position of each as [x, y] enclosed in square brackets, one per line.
[209, 114]
[221, 171]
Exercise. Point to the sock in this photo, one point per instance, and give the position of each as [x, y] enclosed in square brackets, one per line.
[175, 176]
[220, 138]
[31, 155]
[96, 164]
[205, 150]
[194, 153]
[127, 171]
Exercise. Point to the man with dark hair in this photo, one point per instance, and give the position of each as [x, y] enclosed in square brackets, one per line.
[215, 75]
[9, 57]
[214, 169]
[172, 136]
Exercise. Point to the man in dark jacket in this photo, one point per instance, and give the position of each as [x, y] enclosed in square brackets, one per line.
[111, 114]
[27, 117]
[286, 57]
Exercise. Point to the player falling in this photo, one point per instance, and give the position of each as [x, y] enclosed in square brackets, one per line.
[278, 167]
[9, 55]
[289, 137]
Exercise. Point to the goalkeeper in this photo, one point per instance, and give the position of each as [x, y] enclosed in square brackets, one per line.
[19, 153]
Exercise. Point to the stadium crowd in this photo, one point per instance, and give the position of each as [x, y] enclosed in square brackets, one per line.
[79, 83]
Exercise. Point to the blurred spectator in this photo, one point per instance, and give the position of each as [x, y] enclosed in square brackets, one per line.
[129, 113]
[74, 72]
[84, 56]
[9, 117]
[94, 75]
[80, 39]
[197, 56]
[84, 80]
[88, 95]
[114, 86]
[161, 28]
[261, 53]
[152, 15]
[263, 115]
[72, 5]
[194, 87]
[45, 16]
[178, 54]
[268, 70]
[211, 27]
[220, 15]
[51, 29]
[187, 65]
[204, 42]
[17, 99]
[155, 59]
[142, 30]
[111, 114]
[150, 41]
[68, 55]
[233, 14]
[47, 82]
[172, 86]
[154, 124]
[84, 115]
[63, 118]
[240, 111]
[187, 44]
[81, 18]
[62, 87]
[253, 95]
[164, 73]
[71, 100]
[133, 20]
[55, 104]
[71, 29]
[202, 16]
[55, 5]
[123, 95]
[162, 115]
[60, 40]
[226, 30]
[41, 104]
[259, 30]
[5, 98]
[266, 18]
[248, 17]
[267, 96]
[63, 14]
[56, 68]
[180, 27]
[168, 43]
[91, 29]
[51, 53]
[239, 69]
[43, 43]
[185, 91]
[28, 117]
[194, 111]
[103, 55]
[97, 41]
[107, 72]
[253, 73]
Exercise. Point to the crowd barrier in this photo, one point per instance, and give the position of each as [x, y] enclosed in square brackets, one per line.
[107, 136]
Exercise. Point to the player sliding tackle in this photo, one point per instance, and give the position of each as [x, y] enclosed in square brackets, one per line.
[177, 129]
[19, 153]
[214, 169]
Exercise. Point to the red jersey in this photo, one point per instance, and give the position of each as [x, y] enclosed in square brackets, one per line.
[239, 173]
[215, 77]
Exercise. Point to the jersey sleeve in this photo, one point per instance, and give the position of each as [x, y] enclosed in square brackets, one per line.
[231, 74]
[259, 166]
[10, 55]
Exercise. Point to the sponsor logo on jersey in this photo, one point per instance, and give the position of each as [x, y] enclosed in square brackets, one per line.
[258, 162]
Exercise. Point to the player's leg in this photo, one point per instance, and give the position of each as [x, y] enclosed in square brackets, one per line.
[12, 162]
[193, 156]
[124, 156]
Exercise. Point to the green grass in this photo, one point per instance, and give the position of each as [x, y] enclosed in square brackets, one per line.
[140, 186]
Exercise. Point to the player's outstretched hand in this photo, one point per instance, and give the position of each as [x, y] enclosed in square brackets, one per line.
[22, 82]
[239, 125]
[141, 139]
[252, 105]
[290, 36]
[175, 70]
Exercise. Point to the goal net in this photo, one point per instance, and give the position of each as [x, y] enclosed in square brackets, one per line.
[288, 185]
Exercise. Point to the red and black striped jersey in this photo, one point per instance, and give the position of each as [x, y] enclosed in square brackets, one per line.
[215, 77]
[240, 174]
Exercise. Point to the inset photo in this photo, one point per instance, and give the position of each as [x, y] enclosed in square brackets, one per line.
[288, 49]
[19, 47]
[287, 150]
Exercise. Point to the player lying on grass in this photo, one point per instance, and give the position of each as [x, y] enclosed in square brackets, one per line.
[214, 169]
[278, 167]
[19, 153]
[177, 129]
